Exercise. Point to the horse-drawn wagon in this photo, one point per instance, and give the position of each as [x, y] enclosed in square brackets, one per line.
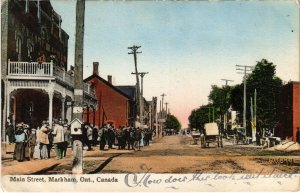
[211, 134]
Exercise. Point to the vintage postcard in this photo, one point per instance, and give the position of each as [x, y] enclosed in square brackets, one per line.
[150, 96]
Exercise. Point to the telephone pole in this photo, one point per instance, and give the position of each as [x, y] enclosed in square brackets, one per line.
[162, 102]
[77, 167]
[134, 52]
[142, 74]
[225, 115]
[162, 113]
[167, 108]
[226, 81]
[243, 69]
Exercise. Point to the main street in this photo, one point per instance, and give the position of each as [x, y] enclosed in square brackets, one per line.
[176, 154]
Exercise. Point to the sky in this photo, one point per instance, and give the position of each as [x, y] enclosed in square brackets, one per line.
[186, 46]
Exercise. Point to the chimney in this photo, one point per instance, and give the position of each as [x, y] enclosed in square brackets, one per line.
[95, 68]
[109, 79]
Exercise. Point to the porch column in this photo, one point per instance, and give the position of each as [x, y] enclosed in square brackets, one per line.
[50, 94]
[7, 112]
[94, 116]
[88, 114]
[63, 113]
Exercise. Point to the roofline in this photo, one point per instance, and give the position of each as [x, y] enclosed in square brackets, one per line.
[107, 83]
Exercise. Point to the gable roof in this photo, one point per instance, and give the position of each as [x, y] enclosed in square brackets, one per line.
[107, 83]
[129, 90]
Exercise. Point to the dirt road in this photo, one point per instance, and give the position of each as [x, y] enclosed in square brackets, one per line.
[171, 154]
[174, 154]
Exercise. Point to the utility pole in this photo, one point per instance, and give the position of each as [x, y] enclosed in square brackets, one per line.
[134, 52]
[162, 102]
[77, 167]
[225, 115]
[142, 74]
[243, 69]
[166, 109]
[226, 81]
[162, 112]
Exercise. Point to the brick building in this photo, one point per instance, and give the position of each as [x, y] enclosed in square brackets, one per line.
[113, 105]
[130, 91]
[290, 111]
[35, 83]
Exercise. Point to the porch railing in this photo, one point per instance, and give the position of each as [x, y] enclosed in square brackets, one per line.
[63, 76]
[88, 89]
[45, 69]
[30, 68]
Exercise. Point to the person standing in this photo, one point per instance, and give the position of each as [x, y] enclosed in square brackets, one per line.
[50, 137]
[131, 138]
[111, 138]
[37, 152]
[127, 137]
[102, 138]
[20, 136]
[44, 140]
[10, 132]
[142, 138]
[32, 142]
[89, 134]
[95, 136]
[58, 139]
[26, 145]
[257, 138]
[67, 138]
[119, 138]
[137, 138]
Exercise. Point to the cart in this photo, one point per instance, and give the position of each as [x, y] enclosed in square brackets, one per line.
[211, 135]
[239, 136]
[195, 136]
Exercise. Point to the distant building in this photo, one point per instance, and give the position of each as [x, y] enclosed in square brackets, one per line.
[113, 105]
[289, 111]
[35, 84]
[130, 91]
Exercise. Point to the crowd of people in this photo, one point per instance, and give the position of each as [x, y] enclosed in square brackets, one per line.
[37, 142]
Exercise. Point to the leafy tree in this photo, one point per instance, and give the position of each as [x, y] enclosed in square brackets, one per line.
[173, 123]
[220, 98]
[199, 117]
[268, 87]
[237, 97]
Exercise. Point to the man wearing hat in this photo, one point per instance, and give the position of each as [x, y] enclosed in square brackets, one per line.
[58, 138]
[32, 142]
[44, 140]
[20, 136]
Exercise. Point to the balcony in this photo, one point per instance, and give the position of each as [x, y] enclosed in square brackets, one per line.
[30, 69]
[43, 71]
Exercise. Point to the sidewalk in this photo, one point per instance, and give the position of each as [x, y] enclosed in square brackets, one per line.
[13, 167]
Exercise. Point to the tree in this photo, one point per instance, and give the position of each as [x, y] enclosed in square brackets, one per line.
[268, 87]
[220, 98]
[173, 123]
[199, 117]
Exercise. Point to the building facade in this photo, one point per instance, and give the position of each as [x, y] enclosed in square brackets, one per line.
[290, 111]
[113, 104]
[35, 83]
[130, 91]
